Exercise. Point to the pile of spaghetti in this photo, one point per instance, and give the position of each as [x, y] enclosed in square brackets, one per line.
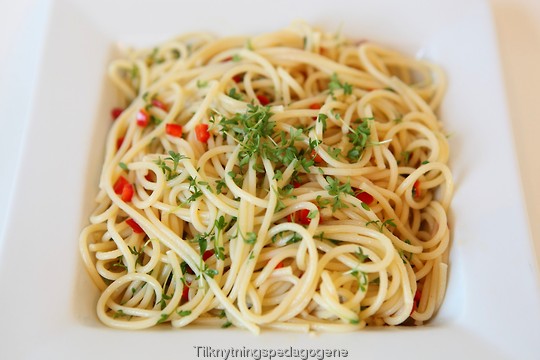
[293, 180]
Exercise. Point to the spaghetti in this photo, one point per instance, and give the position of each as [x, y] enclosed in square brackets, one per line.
[294, 180]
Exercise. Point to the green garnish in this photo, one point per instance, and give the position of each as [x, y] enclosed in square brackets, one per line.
[335, 189]
[184, 312]
[336, 84]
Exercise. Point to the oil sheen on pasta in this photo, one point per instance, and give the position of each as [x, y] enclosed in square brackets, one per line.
[295, 180]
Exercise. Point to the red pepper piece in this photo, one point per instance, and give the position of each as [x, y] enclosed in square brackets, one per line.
[300, 217]
[143, 118]
[118, 186]
[201, 130]
[316, 157]
[207, 254]
[416, 302]
[159, 104]
[416, 189]
[119, 142]
[127, 192]
[185, 292]
[315, 106]
[174, 130]
[263, 100]
[364, 197]
[137, 229]
[116, 112]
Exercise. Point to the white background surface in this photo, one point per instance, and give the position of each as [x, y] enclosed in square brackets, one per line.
[517, 27]
[518, 30]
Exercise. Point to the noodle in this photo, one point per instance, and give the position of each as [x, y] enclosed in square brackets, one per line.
[295, 180]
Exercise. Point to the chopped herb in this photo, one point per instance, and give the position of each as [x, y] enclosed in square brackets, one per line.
[210, 272]
[162, 302]
[334, 152]
[219, 186]
[258, 168]
[322, 119]
[155, 120]
[134, 72]
[294, 239]
[119, 313]
[237, 96]
[236, 58]
[336, 84]
[322, 203]
[175, 158]
[360, 255]
[226, 325]
[380, 226]
[425, 162]
[250, 238]
[119, 263]
[358, 138]
[184, 312]
[354, 321]
[123, 166]
[163, 318]
[406, 155]
[138, 253]
[202, 84]
[219, 251]
[362, 279]
[336, 190]
[365, 206]
[250, 129]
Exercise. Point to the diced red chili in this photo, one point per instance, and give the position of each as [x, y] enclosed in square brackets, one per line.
[315, 106]
[207, 254]
[416, 302]
[296, 184]
[263, 100]
[150, 176]
[137, 229]
[185, 291]
[118, 186]
[143, 118]
[279, 265]
[364, 197]
[159, 104]
[416, 189]
[300, 217]
[116, 112]
[127, 192]
[119, 142]
[238, 78]
[201, 130]
[174, 130]
[316, 157]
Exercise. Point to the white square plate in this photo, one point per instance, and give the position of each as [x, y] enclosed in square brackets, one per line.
[47, 309]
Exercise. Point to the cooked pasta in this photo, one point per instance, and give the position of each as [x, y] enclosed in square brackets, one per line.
[293, 180]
